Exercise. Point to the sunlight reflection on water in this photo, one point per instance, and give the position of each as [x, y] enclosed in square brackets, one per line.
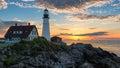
[109, 45]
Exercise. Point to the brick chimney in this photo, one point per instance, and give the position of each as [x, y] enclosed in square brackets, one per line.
[28, 24]
[15, 24]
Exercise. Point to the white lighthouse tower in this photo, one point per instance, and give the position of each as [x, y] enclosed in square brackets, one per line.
[46, 29]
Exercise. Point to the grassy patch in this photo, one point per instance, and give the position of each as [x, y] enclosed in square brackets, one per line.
[10, 61]
[35, 47]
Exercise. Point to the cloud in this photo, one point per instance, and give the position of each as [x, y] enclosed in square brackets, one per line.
[92, 28]
[10, 23]
[87, 34]
[3, 4]
[71, 5]
[27, 0]
[118, 20]
[67, 34]
[78, 8]
[23, 5]
[116, 5]
[66, 6]
[52, 20]
[84, 17]
[64, 29]
[94, 34]
[58, 5]
[16, 19]
[31, 22]
[3, 30]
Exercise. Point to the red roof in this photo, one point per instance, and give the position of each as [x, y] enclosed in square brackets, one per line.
[56, 39]
[25, 31]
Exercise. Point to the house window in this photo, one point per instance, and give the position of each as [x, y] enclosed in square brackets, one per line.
[33, 32]
[14, 32]
[17, 32]
[20, 32]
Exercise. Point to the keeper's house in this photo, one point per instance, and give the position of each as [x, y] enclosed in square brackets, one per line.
[17, 33]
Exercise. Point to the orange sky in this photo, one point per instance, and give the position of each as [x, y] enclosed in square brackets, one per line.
[76, 29]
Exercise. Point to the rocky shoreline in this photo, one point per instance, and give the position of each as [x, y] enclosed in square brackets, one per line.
[40, 53]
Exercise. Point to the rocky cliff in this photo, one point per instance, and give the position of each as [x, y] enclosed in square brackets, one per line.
[40, 53]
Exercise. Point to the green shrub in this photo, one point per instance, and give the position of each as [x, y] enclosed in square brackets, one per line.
[18, 47]
[34, 53]
[9, 61]
[41, 41]
[64, 47]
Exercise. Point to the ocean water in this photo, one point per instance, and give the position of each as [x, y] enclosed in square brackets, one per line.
[112, 45]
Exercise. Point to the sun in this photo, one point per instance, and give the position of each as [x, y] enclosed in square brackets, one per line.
[77, 38]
